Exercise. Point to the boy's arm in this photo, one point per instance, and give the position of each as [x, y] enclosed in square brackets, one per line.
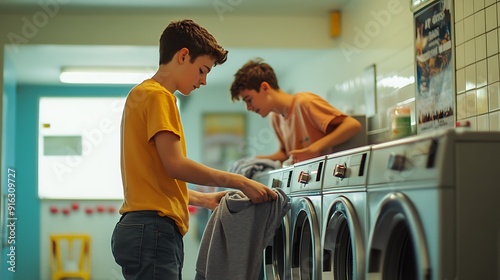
[180, 167]
[279, 155]
[342, 132]
[205, 200]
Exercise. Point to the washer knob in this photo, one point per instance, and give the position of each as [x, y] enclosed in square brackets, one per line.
[340, 170]
[304, 177]
[396, 162]
[276, 183]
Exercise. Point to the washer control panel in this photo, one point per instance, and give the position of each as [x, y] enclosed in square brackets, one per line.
[281, 179]
[308, 175]
[403, 162]
[346, 169]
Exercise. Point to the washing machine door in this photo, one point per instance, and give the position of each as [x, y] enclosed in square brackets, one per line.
[277, 253]
[343, 242]
[397, 246]
[306, 243]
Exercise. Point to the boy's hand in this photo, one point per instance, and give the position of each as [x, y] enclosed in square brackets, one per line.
[303, 154]
[259, 193]
[212, 200]
[206, 200]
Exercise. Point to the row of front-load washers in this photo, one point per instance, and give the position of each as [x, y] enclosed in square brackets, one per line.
[423, 207]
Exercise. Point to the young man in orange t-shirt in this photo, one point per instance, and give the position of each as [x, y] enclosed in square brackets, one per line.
[306, 125]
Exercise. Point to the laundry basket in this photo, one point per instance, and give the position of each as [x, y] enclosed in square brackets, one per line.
[70, 256]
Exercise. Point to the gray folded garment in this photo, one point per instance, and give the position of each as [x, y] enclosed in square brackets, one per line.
[236, 235]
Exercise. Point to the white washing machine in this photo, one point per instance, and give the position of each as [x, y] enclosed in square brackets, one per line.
[306, 201]
[345, 223]
[277, 253]
[434, 207]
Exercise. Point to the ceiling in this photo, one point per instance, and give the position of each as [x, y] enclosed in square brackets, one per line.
[41, 64]
[279, 7]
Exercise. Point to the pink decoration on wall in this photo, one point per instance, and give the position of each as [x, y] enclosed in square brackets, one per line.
[192, 209]
[54, 210]
[75, 206]
[100, 208]
[89, 210]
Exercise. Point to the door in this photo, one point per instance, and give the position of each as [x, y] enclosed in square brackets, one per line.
[396, 233]
[343, 242]
[306, 243]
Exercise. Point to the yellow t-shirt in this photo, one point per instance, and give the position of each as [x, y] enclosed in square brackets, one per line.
[149, 109]
[306, 122]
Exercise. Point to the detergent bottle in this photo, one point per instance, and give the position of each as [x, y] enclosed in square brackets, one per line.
[400, 121]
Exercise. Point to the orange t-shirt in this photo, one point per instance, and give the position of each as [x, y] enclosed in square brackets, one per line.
[306, 122]
[149, 109]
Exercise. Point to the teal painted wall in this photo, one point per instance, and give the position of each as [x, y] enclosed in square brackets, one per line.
[28, 219]
[26, 153]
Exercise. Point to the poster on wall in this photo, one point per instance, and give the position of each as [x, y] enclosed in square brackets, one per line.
[223, 135]
[435, 98]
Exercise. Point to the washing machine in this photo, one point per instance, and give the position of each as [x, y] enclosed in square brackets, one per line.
[305, 194]
[345, 223]
[276, 261]
[434, 210]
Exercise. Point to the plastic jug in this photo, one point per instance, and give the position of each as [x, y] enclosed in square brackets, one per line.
[400, 121]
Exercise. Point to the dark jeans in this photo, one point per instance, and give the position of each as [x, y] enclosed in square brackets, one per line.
[148, 246]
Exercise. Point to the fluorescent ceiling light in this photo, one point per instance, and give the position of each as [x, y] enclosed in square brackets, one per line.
[105, 75]
[396, 81]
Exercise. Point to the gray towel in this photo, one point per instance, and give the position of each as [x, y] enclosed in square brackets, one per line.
[249, 167]
[236, 235]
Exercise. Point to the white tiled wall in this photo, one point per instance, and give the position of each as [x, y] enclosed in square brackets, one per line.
[477, 38]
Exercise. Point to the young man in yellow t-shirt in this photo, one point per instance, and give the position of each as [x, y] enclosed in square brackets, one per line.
[147, 241]
[306, 125]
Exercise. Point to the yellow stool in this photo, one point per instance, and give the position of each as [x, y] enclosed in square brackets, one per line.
[70, 256]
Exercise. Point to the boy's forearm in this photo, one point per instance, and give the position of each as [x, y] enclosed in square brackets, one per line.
[194, 197]
[343, 132]
[279, 155]
[193, 172]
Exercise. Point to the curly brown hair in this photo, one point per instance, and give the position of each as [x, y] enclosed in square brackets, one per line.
[251, 76]
[188, 34]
